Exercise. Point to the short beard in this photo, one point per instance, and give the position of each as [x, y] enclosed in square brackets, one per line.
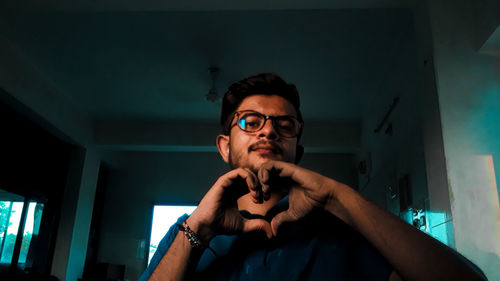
[230, 162]
[233, 166]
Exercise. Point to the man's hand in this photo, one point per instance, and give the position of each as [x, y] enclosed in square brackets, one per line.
[307, 190]
[218, 212]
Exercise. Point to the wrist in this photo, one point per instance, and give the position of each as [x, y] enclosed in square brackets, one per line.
[202, 229]
[341, 200]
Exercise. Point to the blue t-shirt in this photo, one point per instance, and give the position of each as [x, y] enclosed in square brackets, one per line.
[317, 247]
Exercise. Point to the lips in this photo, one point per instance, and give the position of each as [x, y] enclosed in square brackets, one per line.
[265, 148]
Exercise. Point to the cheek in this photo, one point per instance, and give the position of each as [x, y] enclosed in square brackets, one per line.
[290, 152]
[237, 150]
[238, 143]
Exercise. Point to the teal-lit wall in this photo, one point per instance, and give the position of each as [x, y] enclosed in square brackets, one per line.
[468, 86]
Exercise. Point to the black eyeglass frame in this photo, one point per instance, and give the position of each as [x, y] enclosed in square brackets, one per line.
[273, 119]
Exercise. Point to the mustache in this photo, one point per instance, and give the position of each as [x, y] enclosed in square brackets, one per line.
[275, 147]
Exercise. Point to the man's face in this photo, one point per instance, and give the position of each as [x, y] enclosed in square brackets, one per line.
[251, 150]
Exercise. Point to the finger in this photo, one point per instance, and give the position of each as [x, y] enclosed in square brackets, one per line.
[266, 194]
[263, 173]
[242, 174]
[238, 182]
[254, 186]
[268, 169]
[257, 225]
[233, 175]
[280, 219]
[251, 179]
[282, 173]
[284, 169]
[264, 183]
[266, 191]
[271, 176]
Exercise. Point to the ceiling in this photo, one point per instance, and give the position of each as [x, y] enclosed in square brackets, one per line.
[197, 5]
[120, 60]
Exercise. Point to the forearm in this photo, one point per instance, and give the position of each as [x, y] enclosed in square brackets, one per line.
[181, 258]
[414, 255]
[177, 261]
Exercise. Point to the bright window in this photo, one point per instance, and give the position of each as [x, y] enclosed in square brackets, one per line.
[31, 228]
[10, 219]
[164, 216]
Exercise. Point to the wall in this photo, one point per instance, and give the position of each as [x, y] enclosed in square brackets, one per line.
[468, 87]
[53, 112]
[392, 154]
[33, 164]
[439, 208]
[145, 178]
[76, 214]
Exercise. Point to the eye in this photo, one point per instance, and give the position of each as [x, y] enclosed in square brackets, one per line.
[286, 124]
[250, 122]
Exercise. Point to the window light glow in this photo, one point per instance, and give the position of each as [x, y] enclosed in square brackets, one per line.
[164, 216]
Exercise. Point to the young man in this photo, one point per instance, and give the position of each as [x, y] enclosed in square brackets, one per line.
[269, 219]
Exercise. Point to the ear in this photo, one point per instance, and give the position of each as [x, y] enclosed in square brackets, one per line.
[299, 153]
[223, 147]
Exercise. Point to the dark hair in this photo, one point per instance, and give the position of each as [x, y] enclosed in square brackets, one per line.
[260, 84]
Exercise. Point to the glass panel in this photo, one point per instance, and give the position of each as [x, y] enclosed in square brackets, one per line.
[31, 229]
[10, 239]
[164, 216]
[4, 221]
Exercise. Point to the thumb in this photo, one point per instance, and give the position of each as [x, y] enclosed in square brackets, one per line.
[279, 219]
[257, 225]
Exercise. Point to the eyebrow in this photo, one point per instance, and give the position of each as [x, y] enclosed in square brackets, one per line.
[251, 110]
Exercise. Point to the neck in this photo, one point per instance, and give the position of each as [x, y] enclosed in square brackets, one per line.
[245, 202]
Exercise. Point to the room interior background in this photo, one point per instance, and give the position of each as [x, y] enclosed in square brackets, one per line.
[104, 112]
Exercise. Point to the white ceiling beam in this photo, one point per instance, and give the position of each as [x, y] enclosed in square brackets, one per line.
[188, 136]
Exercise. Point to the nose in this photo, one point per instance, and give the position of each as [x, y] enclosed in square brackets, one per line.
[268, 131]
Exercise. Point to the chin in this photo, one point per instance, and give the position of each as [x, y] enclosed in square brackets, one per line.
[255, 161]
[261, 159]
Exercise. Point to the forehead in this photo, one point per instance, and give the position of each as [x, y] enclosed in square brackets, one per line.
[267, 104]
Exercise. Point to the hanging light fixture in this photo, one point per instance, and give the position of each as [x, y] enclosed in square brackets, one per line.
[212, 94]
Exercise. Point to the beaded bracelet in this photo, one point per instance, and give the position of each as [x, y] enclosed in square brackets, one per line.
[194, 238]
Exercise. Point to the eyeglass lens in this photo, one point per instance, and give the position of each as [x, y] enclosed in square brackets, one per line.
[286, 126]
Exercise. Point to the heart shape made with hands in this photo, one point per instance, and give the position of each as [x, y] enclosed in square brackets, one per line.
[269, 181]
[307, 190]
[218, 211]
[241, 182]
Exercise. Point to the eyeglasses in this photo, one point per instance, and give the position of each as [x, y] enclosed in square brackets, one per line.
[251, 121]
